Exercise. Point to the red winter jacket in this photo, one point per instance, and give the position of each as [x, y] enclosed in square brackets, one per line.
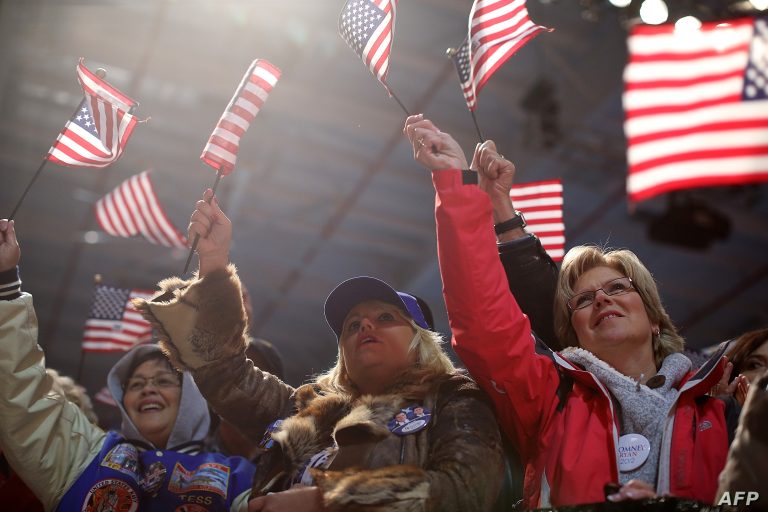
[569, 451]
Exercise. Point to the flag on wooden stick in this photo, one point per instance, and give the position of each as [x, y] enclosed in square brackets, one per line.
[696, 106]
[98, 132]
[133, 209]
[221, 150]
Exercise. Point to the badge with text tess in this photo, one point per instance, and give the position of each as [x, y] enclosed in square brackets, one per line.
[633, 451]
[409, 420]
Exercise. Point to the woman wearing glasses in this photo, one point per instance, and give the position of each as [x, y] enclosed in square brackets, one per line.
[619, 413]
[155, 461]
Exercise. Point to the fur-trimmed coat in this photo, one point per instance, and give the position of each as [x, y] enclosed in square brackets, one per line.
[454, 464]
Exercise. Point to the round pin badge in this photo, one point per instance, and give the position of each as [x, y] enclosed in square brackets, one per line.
[633, 451]
[410, 420]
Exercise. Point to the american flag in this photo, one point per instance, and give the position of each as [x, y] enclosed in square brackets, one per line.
[497, 29]
[98, 132]
[221, 150]
[368, 27]
[542, 205]
[461, 61]
[114, 324]
[134, 209]
[696, 106]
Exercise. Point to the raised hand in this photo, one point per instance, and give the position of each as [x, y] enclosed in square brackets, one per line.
[215, 231]
[9, 246]
[297, 499]
[434, 149]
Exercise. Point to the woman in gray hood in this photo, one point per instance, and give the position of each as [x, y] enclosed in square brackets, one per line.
[155, 461]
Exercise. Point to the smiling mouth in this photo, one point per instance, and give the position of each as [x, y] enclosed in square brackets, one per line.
[150, 407]
[606, 317]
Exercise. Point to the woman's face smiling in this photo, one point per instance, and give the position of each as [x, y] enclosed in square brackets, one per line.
[375, 342]
[611, 321]
[152, 408]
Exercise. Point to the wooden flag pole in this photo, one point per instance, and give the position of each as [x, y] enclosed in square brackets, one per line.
[101, 73]
[81, 364]
[197, 237]
[451, 53]
[407, 113]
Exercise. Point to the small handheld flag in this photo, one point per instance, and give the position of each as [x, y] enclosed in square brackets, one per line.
[221, 150]
[98, 132]
[134, 209]
[497, 29]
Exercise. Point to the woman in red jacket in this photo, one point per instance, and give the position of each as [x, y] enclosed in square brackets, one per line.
[620, 404]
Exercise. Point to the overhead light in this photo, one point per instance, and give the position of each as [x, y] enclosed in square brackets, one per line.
[687, 24]
[760, 5]
[620, 3]
[654, 12]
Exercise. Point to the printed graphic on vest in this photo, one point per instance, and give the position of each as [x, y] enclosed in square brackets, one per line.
[210, 477]
[124, 457]
[111, 496]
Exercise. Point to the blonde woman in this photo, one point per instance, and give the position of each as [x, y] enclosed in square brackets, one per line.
[620, 411]
[350, 439]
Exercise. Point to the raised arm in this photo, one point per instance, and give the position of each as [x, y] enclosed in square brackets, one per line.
[490, 333]
[202, 325]
[47, 439]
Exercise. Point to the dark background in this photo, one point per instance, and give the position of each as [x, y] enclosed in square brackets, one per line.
[325, 186]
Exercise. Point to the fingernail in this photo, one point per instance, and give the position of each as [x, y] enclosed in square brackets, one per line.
[613, 497]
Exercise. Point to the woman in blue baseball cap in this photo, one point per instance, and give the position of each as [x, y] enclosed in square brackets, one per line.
[391, 426]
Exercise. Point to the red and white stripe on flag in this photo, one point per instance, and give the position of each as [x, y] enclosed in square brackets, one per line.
[114, 324]
[221, 150]
[105, 397]
[98, 132]
[497, 29]
[134, 209]
[542, 205]
[368, 27]
[696, 106]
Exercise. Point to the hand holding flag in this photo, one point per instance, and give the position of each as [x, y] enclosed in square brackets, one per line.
[221, 150]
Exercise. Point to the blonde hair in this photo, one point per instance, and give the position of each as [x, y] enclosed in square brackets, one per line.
[583, 258]
[73, 392]
[432, 364]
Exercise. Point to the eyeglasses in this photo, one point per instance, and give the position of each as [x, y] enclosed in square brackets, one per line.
[161, 380]
[618, 286]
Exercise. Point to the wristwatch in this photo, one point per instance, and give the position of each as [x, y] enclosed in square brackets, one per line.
[517, 221]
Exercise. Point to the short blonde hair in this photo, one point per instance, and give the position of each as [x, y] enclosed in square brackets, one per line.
[432, 363]
[583, 258]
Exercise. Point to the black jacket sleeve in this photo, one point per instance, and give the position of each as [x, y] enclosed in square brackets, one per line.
[532, 277]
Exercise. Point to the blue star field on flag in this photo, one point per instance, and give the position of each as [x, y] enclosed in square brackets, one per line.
[756, 72]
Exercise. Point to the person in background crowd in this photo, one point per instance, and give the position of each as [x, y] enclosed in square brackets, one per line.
[334, 443]
[748, 358]
[14, 493]
[747, 466]
[153, 463]
[225, 437]
[614, 406]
